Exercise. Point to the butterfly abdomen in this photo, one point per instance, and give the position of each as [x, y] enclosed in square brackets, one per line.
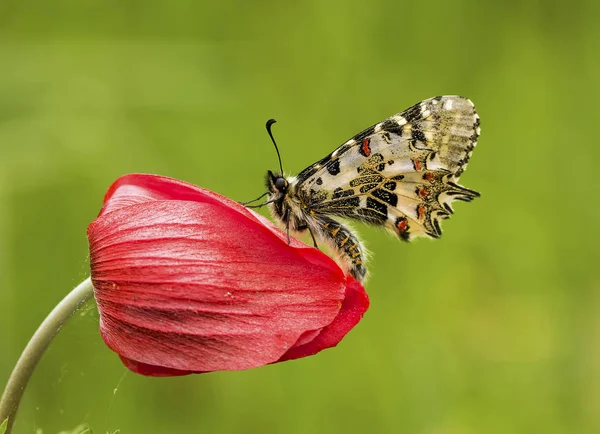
[345, 243]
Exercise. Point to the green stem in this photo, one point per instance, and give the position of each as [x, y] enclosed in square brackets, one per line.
[9, 404]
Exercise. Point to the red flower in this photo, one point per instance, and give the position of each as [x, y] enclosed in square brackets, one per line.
[189, 281]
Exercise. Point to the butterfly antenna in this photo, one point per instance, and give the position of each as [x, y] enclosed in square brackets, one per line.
[270, 122]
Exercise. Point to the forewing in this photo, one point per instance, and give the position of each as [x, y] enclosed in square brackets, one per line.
[402, 172]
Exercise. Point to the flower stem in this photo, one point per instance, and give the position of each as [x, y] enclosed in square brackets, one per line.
[9, 404]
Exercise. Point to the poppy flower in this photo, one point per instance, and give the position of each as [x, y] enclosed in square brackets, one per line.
[188, 281]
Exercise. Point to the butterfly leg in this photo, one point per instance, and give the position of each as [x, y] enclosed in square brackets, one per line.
[313, 237]
[302, 228]
[287, 225]
[346, 243]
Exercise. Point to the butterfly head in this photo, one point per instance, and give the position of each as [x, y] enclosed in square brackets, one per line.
[277, 183]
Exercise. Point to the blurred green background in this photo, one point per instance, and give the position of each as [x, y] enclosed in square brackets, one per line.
[492, 329]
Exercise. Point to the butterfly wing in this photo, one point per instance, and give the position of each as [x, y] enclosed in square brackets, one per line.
[401, 173]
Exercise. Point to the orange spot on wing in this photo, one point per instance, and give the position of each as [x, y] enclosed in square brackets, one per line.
[421, 211]
[366, 147]
[402, 225]
[417, 163]
[428, 176]
[423, 192]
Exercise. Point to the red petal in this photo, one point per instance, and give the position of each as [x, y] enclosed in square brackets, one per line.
[139, 187]
[354, 306]
[200, 283]
[152, 370]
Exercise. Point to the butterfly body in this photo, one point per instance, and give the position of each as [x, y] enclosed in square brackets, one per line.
[401, 173]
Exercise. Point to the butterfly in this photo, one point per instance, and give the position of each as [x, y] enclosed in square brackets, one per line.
[401, 174]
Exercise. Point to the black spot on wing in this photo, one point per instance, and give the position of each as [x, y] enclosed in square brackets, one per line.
[333, 167]
[342, 193]
[319, 181]
[417, 135]
[345, 202]
[375, 205]
[385, 196]
[390, 185]
[366, 179]
[367, 187]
